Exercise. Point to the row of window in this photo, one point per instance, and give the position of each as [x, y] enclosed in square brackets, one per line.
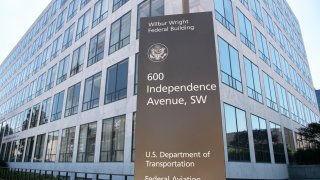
[52, 108]
[34, 148]
[116, 88]
[263, 134]
[224, 14]
[287, 22]
[67, 13]
[37, 148]
[119, 37]
[231, 76]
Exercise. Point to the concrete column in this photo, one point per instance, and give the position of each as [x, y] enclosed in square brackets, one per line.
[173, 7]
[200, 5]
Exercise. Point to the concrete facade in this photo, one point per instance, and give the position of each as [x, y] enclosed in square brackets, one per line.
[127, 106]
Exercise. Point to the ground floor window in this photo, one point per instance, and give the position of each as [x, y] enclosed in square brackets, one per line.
[277, 142]
[237, 134]
[87, 142]
[67, 143]
[112, 144]
[260, 138]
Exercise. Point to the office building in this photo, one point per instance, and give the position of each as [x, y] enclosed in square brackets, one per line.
[69, 87]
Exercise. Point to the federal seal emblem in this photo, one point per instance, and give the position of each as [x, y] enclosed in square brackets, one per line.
[157, 52]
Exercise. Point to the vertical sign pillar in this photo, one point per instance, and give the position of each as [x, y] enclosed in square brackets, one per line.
[179, 126]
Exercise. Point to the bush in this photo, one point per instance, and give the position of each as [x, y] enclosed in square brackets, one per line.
[3, 164]
[307, 157]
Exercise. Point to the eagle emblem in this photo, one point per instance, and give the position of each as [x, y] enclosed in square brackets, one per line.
[157, 52]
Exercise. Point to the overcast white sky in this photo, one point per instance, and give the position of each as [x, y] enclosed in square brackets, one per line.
[16, 16]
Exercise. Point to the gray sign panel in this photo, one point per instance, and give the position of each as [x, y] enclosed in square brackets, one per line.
[179, 129]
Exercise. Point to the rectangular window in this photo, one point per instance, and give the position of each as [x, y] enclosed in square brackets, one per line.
[245, 28]
[6, 155]
[117, 4]
[46, 56]
[87, 142]
[15, 124]
[45, 110]
[293, 107]
[120, 33]
[62, 2]
[25, 123]
[256, 11]
[263, 47]
[149, 8]
[136, 74]
[277, 142]
[77, 60]
[285, 68]
[50, 77]
[224, 14]
[280, 37]
[54, 7]
[295, 79]
[72, 103]
[96, 48]
[35, 115]
[42, 37]
[60, 20]
[52, 143]
[306, 113]
[56, 47]
[20, 150]
[38, 153]
[67, 144]
[3, 148]
[270, 92]
[57, 106]
[283, 100]
[29, 71]
[32, 90]
[83, 25]
[261, 140]
[290, 144]
[301, 112]
[100, 12]
[68, 37]
[274, 9]
[13, 152]
[237, 134]
[269, 24]
[116, 82]
[229, 65]
[51, 29]
[72, 11]
[40, 84]
[63, 70]
[253, 80]
[83, 3]
[5, 126]
[29, 148]
[37, 64]
[112, 139]
[275, 60]
[133, 145]
[91, 92]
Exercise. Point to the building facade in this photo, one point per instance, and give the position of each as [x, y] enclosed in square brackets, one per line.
[69, 87]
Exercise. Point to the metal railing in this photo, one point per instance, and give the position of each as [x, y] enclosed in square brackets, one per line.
[38, 174]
